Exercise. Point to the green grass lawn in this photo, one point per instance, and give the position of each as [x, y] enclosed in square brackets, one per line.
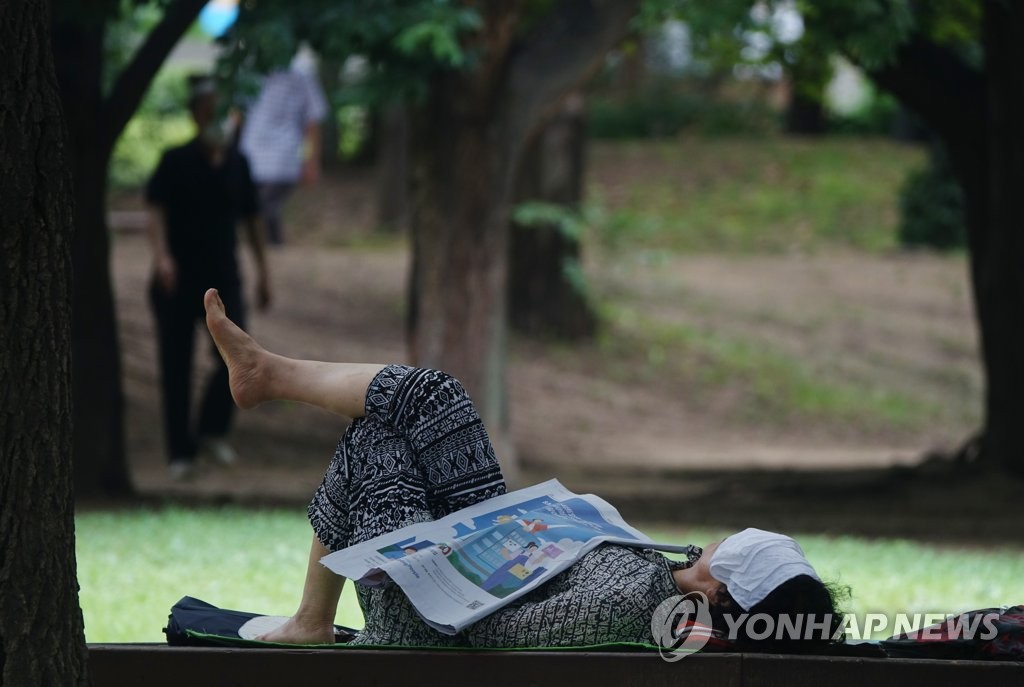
[778, 386]
[746, 195]
[656, 207]
[134, 564]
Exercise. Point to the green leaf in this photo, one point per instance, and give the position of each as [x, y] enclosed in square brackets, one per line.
[429, 38]
[540, 214]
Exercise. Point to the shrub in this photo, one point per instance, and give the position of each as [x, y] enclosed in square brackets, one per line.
[932, 206]
[658, 113]
[878, 115]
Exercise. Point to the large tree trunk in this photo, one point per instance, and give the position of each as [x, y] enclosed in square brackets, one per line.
[545, 298]
[101, 467]
[466, 145]
[999, 283]
[460, 221]
[42, 638]
[101, 464]
[94, 124]
[978, 117]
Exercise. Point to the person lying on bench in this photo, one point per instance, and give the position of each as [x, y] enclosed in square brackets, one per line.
[416, 450]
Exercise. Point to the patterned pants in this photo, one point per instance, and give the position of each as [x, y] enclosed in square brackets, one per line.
[420, 453]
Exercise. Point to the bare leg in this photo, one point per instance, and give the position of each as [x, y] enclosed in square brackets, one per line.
[256, 375]
[313, 623]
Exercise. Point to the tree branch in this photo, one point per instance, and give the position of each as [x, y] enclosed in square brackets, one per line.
[134, 79]
[938, 86]
[570, 45]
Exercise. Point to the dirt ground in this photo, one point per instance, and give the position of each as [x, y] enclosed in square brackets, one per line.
[658, 451]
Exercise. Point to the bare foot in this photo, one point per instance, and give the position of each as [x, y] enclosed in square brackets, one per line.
[297, 632]
[247, 361]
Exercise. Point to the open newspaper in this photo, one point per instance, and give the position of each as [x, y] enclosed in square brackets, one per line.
[465, 566]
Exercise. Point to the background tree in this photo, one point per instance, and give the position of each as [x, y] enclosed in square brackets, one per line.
[482, 77]
[468, 142]
[42, 639]
[808, 66]
[547, 292]
[100, 99]
[953, 63]
[956, 64]
[392, 168]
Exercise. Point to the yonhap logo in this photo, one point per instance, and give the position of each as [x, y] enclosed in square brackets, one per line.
[681, 625]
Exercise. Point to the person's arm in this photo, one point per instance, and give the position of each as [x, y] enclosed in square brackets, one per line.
[316, 109]
[164, 267]
[313, 622]
[255, 231]
[311, 164]
[255, 234]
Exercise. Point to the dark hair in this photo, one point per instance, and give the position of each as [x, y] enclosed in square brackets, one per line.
[790, 606]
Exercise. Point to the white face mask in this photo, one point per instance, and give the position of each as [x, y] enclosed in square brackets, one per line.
[218, 134]
[752, 563]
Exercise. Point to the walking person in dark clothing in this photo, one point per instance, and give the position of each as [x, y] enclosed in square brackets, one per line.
[197, 195]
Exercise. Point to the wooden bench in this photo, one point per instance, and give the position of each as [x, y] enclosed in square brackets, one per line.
[158, 665]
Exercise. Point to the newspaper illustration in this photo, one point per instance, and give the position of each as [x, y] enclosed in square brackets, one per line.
[466, 565]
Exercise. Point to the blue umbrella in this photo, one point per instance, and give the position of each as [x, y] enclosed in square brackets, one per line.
[218, 16]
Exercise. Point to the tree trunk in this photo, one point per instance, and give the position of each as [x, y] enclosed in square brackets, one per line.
[999, 283]
[977, 115]
[545, 298]
[100, 463]
[330, 135]
[631, 78]
[805, 116]
[466, 145]
[460, 229]
[94, 125]
[393, 169]
[809, 72]
[42, 638]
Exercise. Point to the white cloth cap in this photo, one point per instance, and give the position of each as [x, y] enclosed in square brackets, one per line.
[753, 563]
